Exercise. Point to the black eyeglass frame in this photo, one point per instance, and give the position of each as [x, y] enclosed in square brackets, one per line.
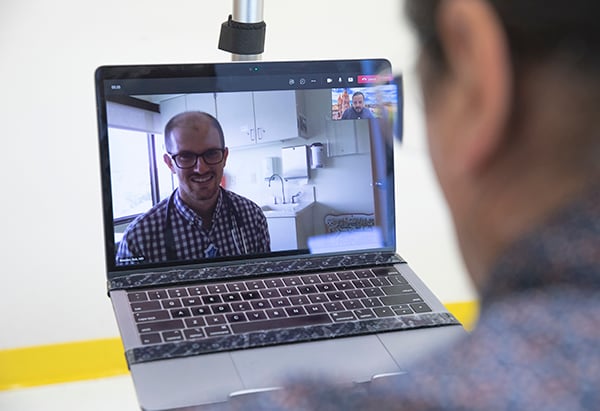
[203, 155]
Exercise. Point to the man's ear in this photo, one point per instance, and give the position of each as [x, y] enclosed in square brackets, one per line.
[169, 162]
[225, 155]
[476, 49]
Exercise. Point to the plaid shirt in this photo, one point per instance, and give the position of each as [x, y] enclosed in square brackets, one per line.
[536, 345]
[238, 227]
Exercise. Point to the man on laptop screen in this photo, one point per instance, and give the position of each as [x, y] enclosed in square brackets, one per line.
[200, 219]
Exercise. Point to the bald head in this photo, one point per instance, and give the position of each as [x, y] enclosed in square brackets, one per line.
[196, 120]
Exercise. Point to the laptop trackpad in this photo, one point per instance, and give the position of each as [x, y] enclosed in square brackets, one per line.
[181, 382]
[354, 359]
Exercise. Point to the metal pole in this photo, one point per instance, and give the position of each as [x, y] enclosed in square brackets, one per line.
[247, 11]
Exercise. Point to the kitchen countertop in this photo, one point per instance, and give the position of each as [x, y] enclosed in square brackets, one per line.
[285, 210]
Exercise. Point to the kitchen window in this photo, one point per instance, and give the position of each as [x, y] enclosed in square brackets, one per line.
[139, 176]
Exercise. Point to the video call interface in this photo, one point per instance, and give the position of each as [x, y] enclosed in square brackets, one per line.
[329, 200]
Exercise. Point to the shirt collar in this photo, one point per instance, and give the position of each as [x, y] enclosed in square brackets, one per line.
[189, 214]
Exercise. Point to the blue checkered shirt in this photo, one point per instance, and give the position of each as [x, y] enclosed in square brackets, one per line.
[238, 227]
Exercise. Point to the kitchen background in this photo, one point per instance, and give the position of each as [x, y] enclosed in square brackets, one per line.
[271, 136]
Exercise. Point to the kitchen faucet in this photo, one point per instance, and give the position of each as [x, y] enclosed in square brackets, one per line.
[282, 191]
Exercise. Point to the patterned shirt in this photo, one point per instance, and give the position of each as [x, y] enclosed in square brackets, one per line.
[238, 227]
[536, 345]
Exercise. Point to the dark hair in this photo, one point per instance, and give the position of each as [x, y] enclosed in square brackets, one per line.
[536, 30]
[183, 118]
[358, 93]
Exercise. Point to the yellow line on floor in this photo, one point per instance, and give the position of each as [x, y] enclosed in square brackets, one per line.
[56, 363]
[85, 360]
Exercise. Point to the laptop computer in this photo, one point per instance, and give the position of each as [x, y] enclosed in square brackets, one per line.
[310, 145]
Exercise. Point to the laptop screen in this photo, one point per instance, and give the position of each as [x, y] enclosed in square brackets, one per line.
[260, 159]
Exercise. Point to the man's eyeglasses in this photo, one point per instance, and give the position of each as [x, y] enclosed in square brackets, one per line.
[189, 160]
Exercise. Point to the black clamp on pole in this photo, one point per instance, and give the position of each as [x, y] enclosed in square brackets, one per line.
[242, 38]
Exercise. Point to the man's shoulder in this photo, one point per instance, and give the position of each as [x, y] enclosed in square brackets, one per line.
[238, 199]
[347, 114]
[245, 206]
[156, 213]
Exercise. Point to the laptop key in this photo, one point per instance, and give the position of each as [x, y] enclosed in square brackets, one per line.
[212, 299]
[261, 304]
[195, 322]
[371, 302]
[397, 279]
[420, 308]
[215, 319]
[270, 293]
[230, 297]
[190, 301]
[373, 292]
[146, 306]
[137, 296]
[236, 318]
[221, 308]
[202, 310]
[217, 331]
[402, 309]
[152, 338]
[170, 336]
[256, 315]
[200, 290]
[334, 306]
[289, 291]
[160, 326]
[157, 294]
[147, 316]
[275, 313]
[352, 304]
[364, 314]
[255, 285]
[281, 302]
[329, 277]
[398, 289]
[318, 298]
[177, 292]
[384, 312]
[180, 313]
[384, 271]
[175, 303]
[315, 309]
[307, 289]
[401, 299]
[346, 275]
[300, 321]
[364, 274]
[193, 333]
[292, 281]
[274, 283]
[250, 295]
[340, 316]
[294, 311]
[310, 279]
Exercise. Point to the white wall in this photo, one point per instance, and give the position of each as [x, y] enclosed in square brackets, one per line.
[53, 272]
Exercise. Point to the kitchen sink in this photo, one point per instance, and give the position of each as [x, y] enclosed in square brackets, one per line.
[283, 210]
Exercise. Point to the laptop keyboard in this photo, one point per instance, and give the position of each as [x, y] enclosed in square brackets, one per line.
[172, 314]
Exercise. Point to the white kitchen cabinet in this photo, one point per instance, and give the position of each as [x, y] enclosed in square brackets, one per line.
[250, 118]
[291, 232]
[282, 231]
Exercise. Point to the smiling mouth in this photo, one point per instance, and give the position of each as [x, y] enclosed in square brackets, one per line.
[201, 179]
